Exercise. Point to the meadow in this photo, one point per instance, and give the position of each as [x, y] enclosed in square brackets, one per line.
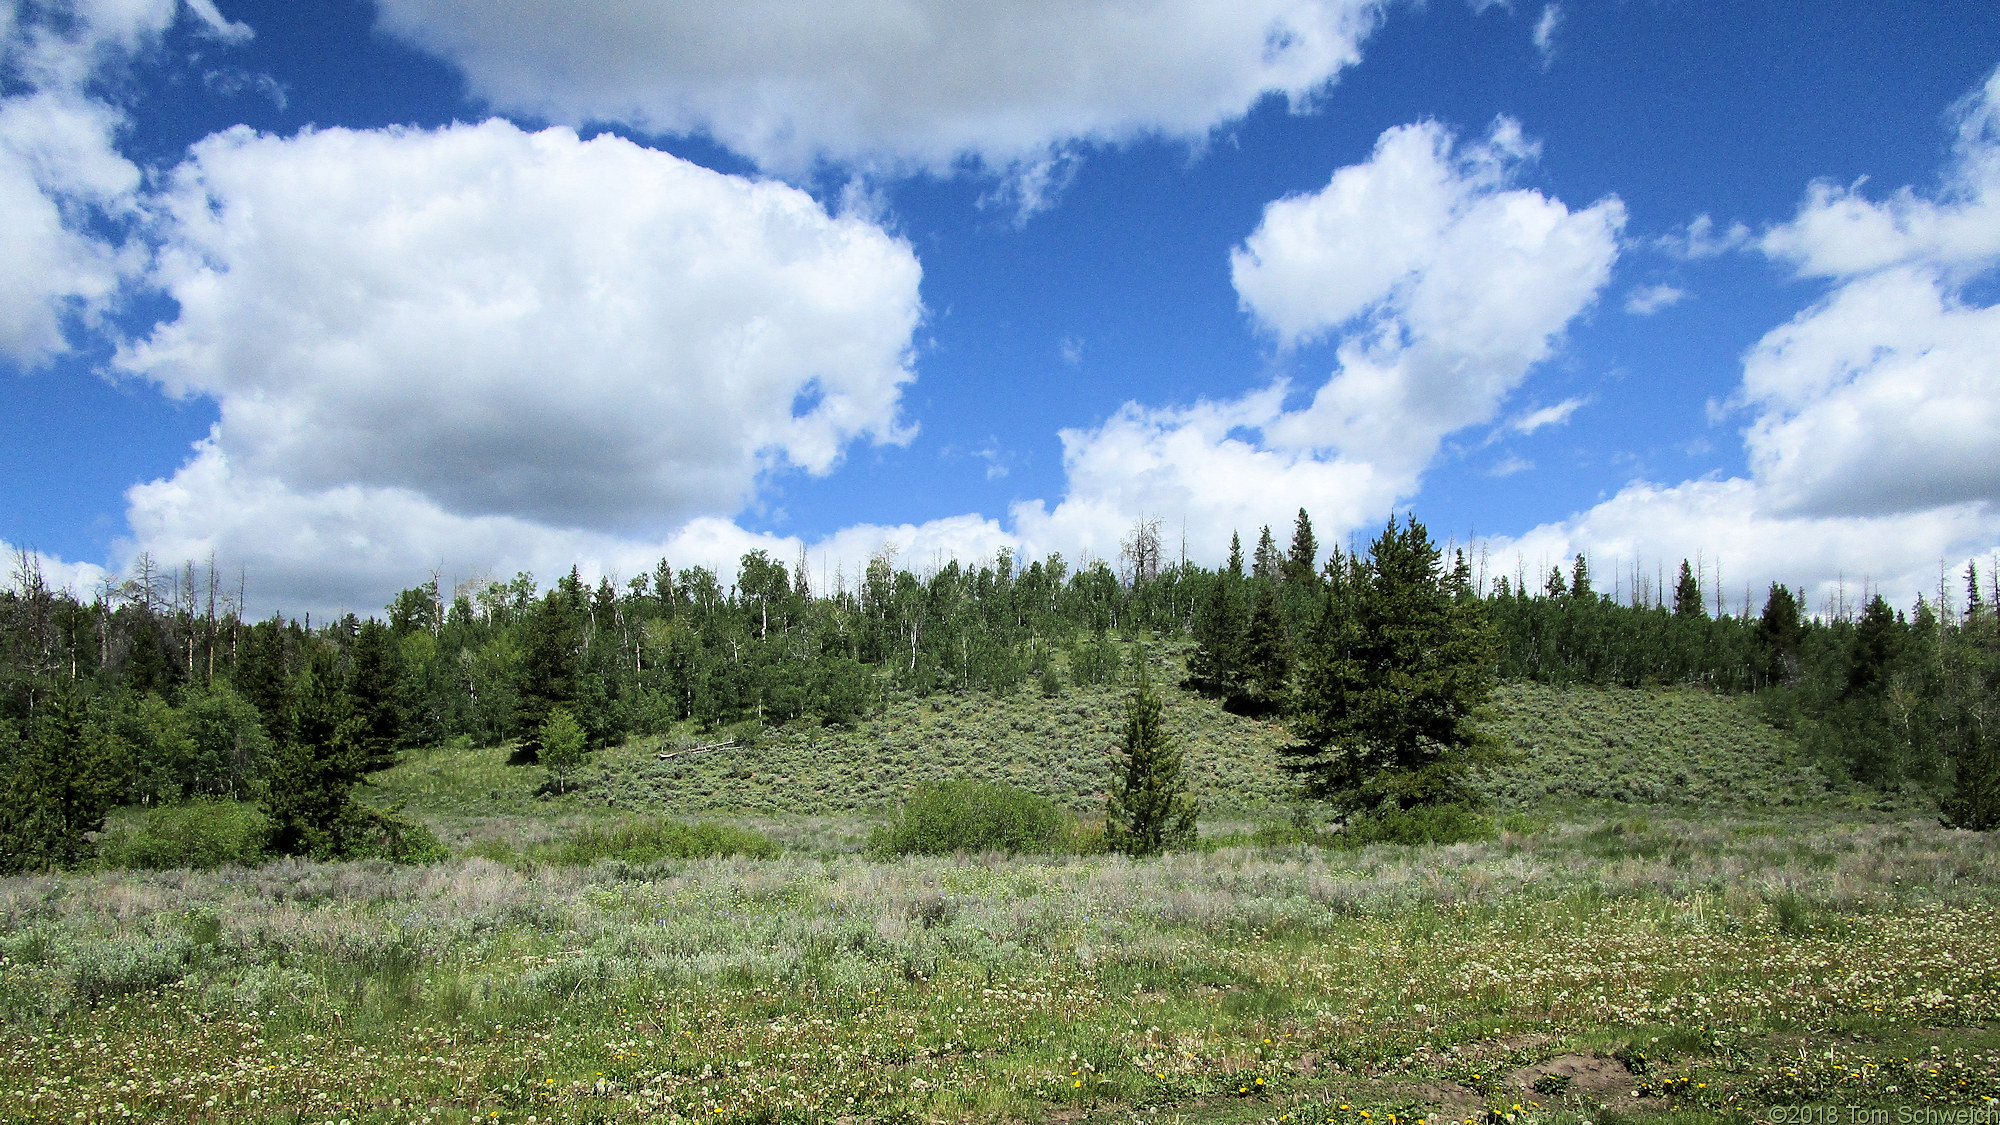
[1680, 920]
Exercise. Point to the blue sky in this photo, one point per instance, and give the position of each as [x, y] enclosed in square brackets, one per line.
[342, 294]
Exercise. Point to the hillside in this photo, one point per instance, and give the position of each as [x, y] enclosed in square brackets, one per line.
[1581, 744]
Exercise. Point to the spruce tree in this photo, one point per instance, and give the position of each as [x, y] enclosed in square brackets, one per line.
[1302, 561]
[1267, 562]
[1149, 810]
[1969, 714]
[1779, 633]
[373, 678]
[1216, 665]
[1579, 578]
[1235, 555]
[1389, 681]
[551, 667]
[1267, 655]
[61, 782]
[311, 776]
[1687, 594]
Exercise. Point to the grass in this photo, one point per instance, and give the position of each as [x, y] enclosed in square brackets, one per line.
[1244, 984]
[1685, 955]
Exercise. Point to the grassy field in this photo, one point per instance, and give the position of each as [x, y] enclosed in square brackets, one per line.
[1698, 952]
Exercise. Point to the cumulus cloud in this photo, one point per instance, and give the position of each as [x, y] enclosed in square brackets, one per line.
[587, 334]
[895, 83]
[64, 188]
[1700, 239]
[1871, 450]
[1649, 299]
[1445, 286]
[1840, 232]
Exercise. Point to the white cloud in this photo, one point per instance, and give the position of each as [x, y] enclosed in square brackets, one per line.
[1510, 465]
[1839, 232]
[895, 83]
[1557, 415]
[1545, 33]
[57, 168]
[63, 183]
[1871, 451]
[80, 580]
[1649, 299]
[1184, 466]
[581, 333]
[1448, 285]
[1729, 524]
[1699, 239]
[1884, 398]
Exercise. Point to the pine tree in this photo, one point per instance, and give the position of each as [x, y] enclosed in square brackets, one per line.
[1148, 811]
[310, 778]
[1390, 679]
[1579, 578]
[1216, 665]
[1969, 714]
[1267, 655]
[1235, 555]
[551, 667]
[373, 678]
[1687, 594]
[62, 782]
[1267, 562]
[1778, 636]
[1302, 561]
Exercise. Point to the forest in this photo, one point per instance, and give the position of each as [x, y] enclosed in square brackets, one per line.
[156, 691]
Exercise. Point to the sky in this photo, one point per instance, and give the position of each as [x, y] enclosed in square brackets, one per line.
[338, 296]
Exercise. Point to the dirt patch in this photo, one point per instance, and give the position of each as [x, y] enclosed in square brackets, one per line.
[1449, 1101]
[1589, 1078]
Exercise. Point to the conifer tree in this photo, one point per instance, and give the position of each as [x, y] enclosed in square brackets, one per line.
[1579, 578]
[1149, 810]
[1216, 665]
[1969, 726]
[1302, 561]
[1687, 594]
[373, 677]
[551, 666]
[1235, 567]
[1267, 655]
[61, 782]
[1267, 562]
[1390, 679]
[310, 778]
[1779, 633]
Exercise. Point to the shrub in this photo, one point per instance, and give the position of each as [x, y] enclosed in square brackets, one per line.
[648, 841]
[201, 834]
[1425, 824]
[971, 816]
[374, 834]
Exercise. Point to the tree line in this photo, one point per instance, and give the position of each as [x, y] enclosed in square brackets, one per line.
[1379, 659]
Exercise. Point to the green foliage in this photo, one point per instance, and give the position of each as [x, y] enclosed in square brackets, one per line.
[1149, 811]
[1969, 725]
[309, 779]
[63, 779]
[562, 742]
[970, 816]
[648, 841]
[202, 833]
[1392, 674]
[1422, 824]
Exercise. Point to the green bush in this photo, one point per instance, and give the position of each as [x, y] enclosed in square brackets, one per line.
[1425, 824]
[374, 834]
[201, 834]
[648, 841]
[971, 816]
